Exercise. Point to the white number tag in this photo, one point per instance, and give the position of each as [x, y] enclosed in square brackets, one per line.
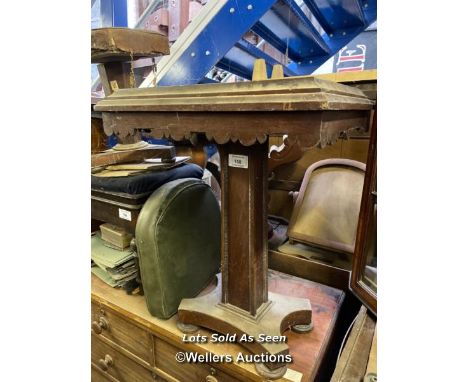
[241, 161]
[124, 214]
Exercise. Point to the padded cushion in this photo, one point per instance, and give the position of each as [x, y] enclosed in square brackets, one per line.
[138, 184]
[178, 237]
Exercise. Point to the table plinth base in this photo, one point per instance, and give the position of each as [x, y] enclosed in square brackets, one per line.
[273, 318]
[302, 328]
[266, 372]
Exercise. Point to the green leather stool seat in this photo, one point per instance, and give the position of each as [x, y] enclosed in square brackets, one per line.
[178, 241]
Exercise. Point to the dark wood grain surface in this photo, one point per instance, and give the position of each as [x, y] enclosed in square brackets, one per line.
[244, 210]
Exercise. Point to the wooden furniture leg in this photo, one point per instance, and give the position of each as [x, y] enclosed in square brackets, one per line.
[241, 303]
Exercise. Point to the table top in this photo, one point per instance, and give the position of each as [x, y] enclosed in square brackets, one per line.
[315, 110]
[307, 349]
[285, 94]
[248, 112]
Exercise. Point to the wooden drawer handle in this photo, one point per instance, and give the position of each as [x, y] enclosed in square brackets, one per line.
[105, 363]
[211, 378]
[99, 326]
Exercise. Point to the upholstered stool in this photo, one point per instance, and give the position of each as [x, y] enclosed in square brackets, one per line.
[119, 200]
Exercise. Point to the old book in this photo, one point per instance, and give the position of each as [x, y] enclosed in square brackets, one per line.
[130, 146]
[114, 279]
[115, 235]
[106, 256]
[148, 165]
[103, 275]
[177, 160]
[115, 267]
[110, 157]
[117, 173]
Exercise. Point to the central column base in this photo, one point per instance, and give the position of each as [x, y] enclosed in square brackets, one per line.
[272, 319]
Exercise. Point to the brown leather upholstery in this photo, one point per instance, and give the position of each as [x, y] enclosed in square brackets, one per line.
[327, 209]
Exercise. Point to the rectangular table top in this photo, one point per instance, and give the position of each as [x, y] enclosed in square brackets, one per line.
[304, 93]
[248, 112]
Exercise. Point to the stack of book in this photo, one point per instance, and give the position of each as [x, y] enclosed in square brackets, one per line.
[114, 266]
[133, 159]
[128, 169]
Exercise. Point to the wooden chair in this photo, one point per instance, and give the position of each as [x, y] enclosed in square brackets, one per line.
[325, 215]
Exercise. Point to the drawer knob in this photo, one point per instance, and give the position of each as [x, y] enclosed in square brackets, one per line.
[105, 363]
[211, 378]
[99, 326]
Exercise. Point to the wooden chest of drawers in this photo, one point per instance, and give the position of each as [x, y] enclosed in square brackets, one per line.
[129, 345]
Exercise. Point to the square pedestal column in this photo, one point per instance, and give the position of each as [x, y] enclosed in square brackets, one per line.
[241, 303]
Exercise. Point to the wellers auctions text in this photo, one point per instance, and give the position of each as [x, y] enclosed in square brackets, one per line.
[240, 357]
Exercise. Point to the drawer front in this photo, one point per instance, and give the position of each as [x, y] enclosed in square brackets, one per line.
[115, 328]
[186, 372]
[118, 366]
[97, 376]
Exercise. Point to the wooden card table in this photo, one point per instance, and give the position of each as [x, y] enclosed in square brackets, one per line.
[240, 117]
